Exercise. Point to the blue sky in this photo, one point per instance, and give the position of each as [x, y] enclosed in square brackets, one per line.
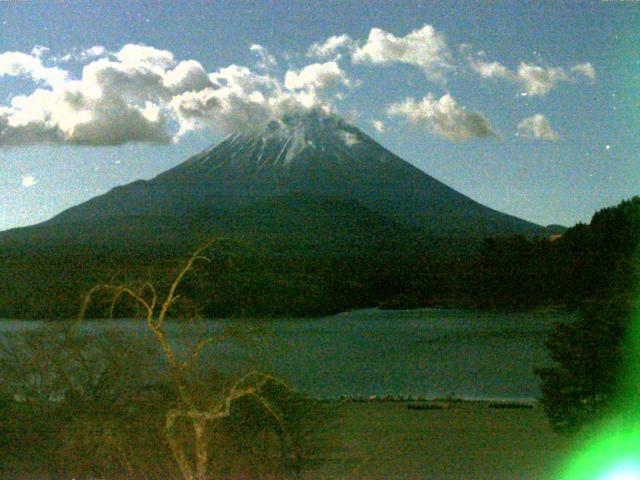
[530, 108]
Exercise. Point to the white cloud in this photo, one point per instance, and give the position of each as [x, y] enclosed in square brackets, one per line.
[69, 115]
[331, 46]
[95, 51]
[82, 55]
[538, 80]
[378, 126]
[535, 80]
[241, 79]
[28, 181]
[143, 94]
[491, 69]
[188, 75]
[485, 69]
[18, 64]
[444, 117]
[113, 102]
[143, 54]
[109, 78]
[238, 100]
[228, 108]
[537, 126]
[242, 100]
[316, 76]
[424, 48]
[585, 69]
[266, 61]
[40, 51]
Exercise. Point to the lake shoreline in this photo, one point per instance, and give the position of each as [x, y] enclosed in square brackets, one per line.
[423, 353]
[549, 309]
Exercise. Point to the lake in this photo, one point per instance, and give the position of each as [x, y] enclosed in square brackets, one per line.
[423, 352]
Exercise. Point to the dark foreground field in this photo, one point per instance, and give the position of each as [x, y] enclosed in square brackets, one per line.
[363, 440]
[469, 440]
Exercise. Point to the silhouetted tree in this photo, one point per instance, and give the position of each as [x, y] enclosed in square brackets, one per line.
[589, 355]
[590, 352]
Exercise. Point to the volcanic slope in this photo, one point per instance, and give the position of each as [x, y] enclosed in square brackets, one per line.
[315, 155]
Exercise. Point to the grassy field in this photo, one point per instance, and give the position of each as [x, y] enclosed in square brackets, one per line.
[469, 440]
[362, 441]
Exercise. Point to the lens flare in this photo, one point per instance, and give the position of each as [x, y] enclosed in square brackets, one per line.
[623, 471]
[612, 451]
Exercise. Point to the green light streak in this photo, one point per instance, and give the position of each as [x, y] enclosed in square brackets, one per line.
[612, 450]
[612, 454]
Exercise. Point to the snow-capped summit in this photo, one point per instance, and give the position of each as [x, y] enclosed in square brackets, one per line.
[314, 137]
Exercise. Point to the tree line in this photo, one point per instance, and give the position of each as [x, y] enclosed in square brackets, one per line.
[259, 277]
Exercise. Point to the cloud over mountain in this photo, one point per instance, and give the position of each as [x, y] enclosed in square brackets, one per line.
[143, 94]
[316, 76]
[243, 100]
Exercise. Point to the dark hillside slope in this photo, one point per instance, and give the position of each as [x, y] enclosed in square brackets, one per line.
[313, 154]
[328, 219]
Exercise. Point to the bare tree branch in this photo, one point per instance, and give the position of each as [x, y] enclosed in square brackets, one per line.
[171, 296]
[248, 385]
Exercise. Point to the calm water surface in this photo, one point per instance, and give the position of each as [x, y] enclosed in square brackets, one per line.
[377, 352]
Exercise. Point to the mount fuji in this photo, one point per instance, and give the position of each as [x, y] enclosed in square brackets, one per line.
[325, 217]
[320, 158]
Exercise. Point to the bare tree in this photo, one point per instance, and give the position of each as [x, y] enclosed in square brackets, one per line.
[191, 407]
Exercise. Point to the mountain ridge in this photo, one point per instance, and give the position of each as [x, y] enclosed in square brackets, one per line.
[316, 154]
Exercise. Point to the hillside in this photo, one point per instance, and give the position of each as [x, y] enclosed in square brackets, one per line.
[326, 219]
[312, 154]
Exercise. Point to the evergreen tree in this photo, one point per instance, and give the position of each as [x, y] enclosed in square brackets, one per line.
[590, 352]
